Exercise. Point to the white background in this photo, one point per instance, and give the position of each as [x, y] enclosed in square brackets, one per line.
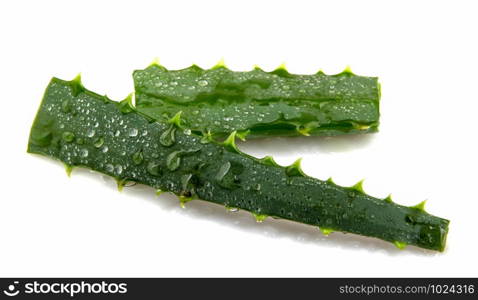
[425, 53]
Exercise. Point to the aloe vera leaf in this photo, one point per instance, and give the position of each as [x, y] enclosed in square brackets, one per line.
[81, 128]
[258, 103]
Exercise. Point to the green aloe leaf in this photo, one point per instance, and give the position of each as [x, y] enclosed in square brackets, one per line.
[81, 128]
[258, 103]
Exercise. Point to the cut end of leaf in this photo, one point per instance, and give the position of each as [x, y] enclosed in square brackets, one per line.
[330, 180]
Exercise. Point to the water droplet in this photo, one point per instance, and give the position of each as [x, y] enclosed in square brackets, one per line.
[138, 157]
[187, 131]
[173, 160]
[117, 133]
[153, 168]
[80, 141]
[185, 179]
[90, 133]
[105, 149]
[97, 124]
[133, 132]
[257, 186]
[99, 142]
[205, 140]
[168, 138]
[65, 106]
[145, 132]
[232, 209]
[119, 169]
[84, 152]
[68, 136]
[223, 170]
[202, 82]
[110, 168]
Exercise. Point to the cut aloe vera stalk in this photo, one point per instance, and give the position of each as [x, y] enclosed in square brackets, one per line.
[81, 128]
[258, 103]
